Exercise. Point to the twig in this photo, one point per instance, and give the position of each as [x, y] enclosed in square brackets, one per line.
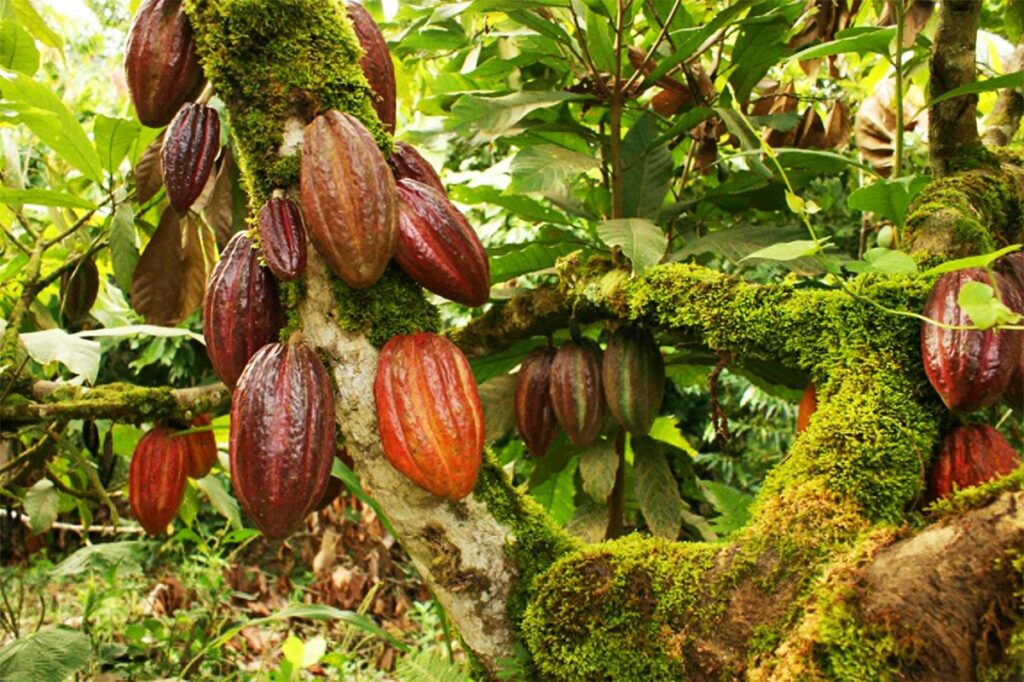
[77, 528]
[654, 47]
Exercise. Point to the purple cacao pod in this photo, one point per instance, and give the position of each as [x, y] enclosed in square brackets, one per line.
[241, 312]
[282, 436]
[410, 165]
[188, 154]
[576, 393]
[438, 248]
[283, 238]
[633, 377]
[376, 63]
[535, 415]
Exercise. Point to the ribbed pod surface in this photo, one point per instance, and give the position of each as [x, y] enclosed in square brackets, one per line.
[535, 416]
[633, 377]
[156, 479]
[576, 393]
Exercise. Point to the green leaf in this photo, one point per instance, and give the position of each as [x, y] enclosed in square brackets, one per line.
[79, 355]
[759, 46]
[688, 41]
[642, 241]
[666, 430]
[124, 246]
[50, 655]
[600, 39]
[731, 504]
[540, 167]
[590, 523]
[598, 465]
[555, 493]
[656, 489]
[788, 250]
[46, 115]
[886, 261]
[225, 505]
[101, 558]
[647, 170]
[491, 117]
[736, 243]
[1013, 80]
[32, 22]
[41, 501]
[865, 40]
[17, 49]
[524, 207]
[352, 483]
[43, 197]
[426, 665]
[982, 261]
[983, 307]
[150, 330]
[114, 138]
[888, 198]
[528, 258]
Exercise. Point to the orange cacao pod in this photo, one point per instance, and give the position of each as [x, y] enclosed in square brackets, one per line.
[376, 63]
[633, 378]
[431, 420]
[282, 436]
[535, 416]
[969, 369]
[971, 455]
[348, 198]
[283, 238]
[576, 393]
[410, 165]
[160, 64]
[156, 479]
[188, 154]
[202, 448]
[808, 406]
[438, 248]
[241, 312]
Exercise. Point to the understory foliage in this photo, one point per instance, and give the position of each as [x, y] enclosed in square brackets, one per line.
[733, 174]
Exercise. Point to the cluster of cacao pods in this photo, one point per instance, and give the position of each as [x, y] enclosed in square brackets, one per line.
[162, 462]
[570, 388]
[972, 369]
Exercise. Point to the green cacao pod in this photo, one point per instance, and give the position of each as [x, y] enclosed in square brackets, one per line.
[969, 369]
[808, 406]
[410, 165]
[969, 456]
[438, 248]
[282, 436]
[188, 154]
[535, 415]
[283, 238]
[633, 377]
[241, 312]
[348, 198]
[161, 65]
[202, 447]
[78, 289]
[431, 420]
[156, 479]
[376, 63]
[576, 393]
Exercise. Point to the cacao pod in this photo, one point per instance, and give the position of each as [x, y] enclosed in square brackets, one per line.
[410, 165]
[438, 248]
[334, 485]
[431, 420]
[376, 63]
[78, 289]
[808, 406]
[188, 154]
[633, 377]
[1013, 266]
[348, 198]
[156, 479]
[535, 416]
[282, 436]
[969, 456]
[161, 65]
[283, 238]
[969, 369]
[576, 393]
[202, 448]
[1014, 395]
[241, 312]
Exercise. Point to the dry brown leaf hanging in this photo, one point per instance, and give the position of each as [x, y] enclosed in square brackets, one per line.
[875, 126]
[219, 209]
[838, 126]
[811, 131]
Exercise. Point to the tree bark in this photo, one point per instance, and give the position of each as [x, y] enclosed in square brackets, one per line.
[1003, 122]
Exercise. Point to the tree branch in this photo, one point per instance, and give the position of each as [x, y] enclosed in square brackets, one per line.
[1004, 120]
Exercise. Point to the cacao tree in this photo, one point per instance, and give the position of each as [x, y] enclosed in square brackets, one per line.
[642, 205]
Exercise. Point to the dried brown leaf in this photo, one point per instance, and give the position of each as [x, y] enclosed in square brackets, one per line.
[838, 126]
[148, 174]
[219, 209]
[811, 131]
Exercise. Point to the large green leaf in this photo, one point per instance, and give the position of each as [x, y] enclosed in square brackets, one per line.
[598, 465]
[114, 138]
[491, 117]
[226, 505]
[528, 258]
[17, 49]
[541, 167]
[524, 207]
[43, 197]
[888, 198]
[656, 489]
[1011, 80]
[50, 655]
[102, 558]
[32, 22]
[860, 41]
[642, 241]
[429, 666]
[124, 246]
[647, 170]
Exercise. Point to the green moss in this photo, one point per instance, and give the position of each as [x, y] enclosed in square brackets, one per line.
[394, 305]
[291, 295]
[975, 497]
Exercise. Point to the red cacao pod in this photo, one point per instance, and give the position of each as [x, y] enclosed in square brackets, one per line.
[633, 377]
[376, 63]
[161, 65]
[431, 420]
[535, 416]
[438, 248]
[282, 436]
[156, 479]
[348, 198]
[241, 312]
[410, 165]
[969, 369]
[202, 447]
[283, 238]
[188, 154]
[971, 455]
[808, 406]
[1013, 266]
[78, 289]
[576, 393]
